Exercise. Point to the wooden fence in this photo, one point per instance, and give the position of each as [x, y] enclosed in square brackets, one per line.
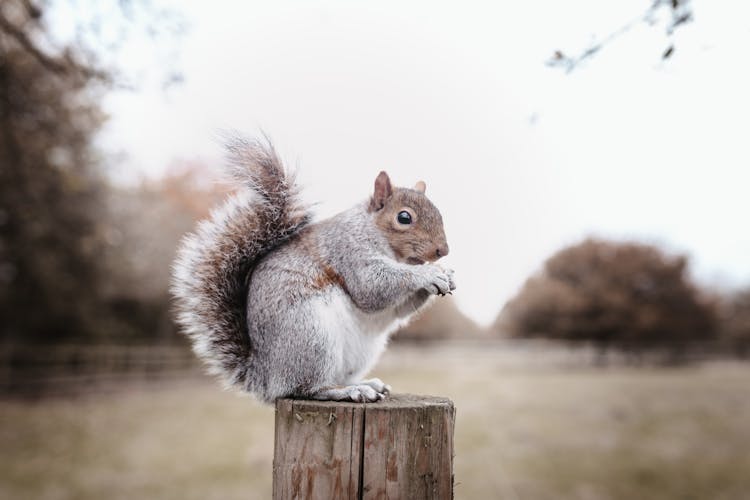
[45, 370]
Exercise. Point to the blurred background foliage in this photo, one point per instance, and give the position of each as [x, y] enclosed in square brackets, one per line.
[627, 295]
[72, 245]
[85, 260]
[84, 269]
[51, 186]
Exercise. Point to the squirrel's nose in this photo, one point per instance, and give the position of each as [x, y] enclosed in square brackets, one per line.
[441, 251]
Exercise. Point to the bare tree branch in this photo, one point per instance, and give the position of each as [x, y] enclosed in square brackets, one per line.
[681, 14]
[25, 42]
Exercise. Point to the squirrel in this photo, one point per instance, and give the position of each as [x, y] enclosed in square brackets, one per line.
[280, 306]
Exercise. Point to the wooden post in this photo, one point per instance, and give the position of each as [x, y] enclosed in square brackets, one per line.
[401, 447]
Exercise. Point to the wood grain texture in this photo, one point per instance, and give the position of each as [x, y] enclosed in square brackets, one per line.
[400, 448]
[316, 450]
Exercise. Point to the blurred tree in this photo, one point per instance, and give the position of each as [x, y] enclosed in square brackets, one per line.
[442, 320]
[679, 13]
[735, 322]
[48, 183]
[51, 232]
[144, 224]
[628, 294]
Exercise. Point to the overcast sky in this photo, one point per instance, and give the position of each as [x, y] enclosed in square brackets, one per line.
[520, 158]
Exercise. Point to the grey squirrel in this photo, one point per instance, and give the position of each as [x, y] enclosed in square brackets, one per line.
[281, 306]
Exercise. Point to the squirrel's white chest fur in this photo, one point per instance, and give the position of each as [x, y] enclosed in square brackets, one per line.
[356, 338]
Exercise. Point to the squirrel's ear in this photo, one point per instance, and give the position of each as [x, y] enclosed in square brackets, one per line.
[383, 191]
[420, 186]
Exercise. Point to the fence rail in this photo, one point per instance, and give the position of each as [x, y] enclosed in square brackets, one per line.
[80, 368]
[86, 368]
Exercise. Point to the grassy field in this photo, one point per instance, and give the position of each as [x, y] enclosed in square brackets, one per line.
[526, 429]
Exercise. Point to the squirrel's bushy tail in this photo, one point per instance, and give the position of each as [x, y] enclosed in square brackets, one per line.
[211, 271]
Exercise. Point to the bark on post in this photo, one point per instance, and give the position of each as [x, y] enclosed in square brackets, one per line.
[398, 448]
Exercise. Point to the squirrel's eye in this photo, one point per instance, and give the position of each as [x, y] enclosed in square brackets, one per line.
[404, 217]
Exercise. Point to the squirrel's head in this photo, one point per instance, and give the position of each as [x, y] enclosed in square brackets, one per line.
[411, 223]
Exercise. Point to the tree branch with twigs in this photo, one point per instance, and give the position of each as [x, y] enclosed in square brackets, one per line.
[680, 11]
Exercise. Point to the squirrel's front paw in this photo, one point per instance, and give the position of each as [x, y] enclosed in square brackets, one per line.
[439, 280]
[451, 283]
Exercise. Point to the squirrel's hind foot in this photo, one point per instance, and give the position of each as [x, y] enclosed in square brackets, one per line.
[367, 391]
[378, 385]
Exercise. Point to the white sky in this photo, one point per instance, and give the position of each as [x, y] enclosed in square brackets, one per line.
[520, 158]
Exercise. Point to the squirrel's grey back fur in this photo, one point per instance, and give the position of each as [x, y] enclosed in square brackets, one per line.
[212, 266]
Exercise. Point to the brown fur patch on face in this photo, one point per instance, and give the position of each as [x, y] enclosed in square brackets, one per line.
[419, 241]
